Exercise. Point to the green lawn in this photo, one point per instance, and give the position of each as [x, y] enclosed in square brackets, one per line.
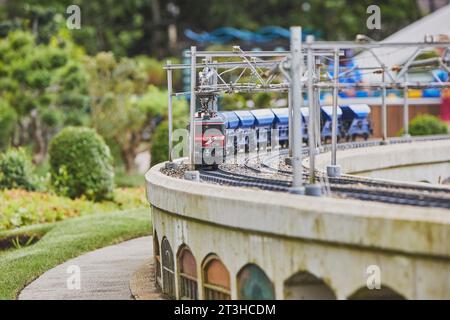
[65, 240]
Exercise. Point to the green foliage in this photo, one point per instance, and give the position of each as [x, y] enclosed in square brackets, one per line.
[22, 208]
[16, 170]
[17, 244]
[51, 118]
[153, 68]
[427, 125]
[135, 26]
[65, 240]
[129, 180]
[230, 102]
[263, 100]
[81, 164]
[160, 145]
[123, 105]
[43, 83]
[8, 118]
[116, 88]
[160, 139]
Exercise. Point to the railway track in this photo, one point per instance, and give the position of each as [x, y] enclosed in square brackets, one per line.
[404, 197]
[343, 187]
[351, 180]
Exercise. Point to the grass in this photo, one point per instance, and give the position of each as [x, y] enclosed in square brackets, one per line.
[129, 180]
[65, 240]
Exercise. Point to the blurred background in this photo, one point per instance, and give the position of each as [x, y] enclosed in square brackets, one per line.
[108, 74]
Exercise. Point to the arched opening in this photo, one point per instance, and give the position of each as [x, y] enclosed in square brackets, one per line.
[306, 286]
[168, 273]
[253, 284]
[157, 257]
[187, 274]
[384, 293]
[216, 279]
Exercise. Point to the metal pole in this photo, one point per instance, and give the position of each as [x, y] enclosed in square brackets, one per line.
[169, 103]
[297, 101]
[312, 114]
[405, 110]
[317, 108]
[290, 140]
[334, 170]
[383, 105]
[335, 103]
[312, 188]
[192, 110]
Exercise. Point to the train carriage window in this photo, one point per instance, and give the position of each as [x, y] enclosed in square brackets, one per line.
[168, 272]
[188, 274]
[157, 257]
[253, 284]
[216, 281]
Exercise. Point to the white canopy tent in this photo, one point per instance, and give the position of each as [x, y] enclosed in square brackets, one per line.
[434, 24]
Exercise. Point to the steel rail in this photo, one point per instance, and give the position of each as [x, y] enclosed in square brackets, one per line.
[345, 186]
[371, 194]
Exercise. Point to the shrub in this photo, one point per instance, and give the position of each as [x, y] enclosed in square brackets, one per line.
[16, 170]
[21, 208]
[230, 102]
[81, 164]
[8, 119]
[160, 144]
[263, 100]
[426, 125]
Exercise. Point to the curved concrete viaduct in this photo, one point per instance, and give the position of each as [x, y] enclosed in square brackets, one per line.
[218, 242]
[427, 161]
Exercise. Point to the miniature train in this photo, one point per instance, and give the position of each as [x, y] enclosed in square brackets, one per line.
[231, 132]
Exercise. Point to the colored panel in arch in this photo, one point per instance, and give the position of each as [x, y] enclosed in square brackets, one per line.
[253, 284]
[188, 264]
[187, 275]
[216, 280]
[217, 274]
[167, 268]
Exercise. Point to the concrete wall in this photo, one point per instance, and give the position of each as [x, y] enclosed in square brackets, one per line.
[334, 240]
[414, 162]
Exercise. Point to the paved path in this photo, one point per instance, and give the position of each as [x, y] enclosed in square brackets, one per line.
[105, 274]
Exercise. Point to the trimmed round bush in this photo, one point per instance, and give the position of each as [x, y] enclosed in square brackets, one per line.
[16, 170]
[81, 164]
[427, 125]
[160, 144]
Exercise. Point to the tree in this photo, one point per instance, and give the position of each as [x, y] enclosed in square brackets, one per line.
[140, 26]
[41, 83]
[81, 164]
[8, 118]
[125, 110]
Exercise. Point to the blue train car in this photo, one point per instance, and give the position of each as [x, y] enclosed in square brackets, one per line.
[356, 121]
[281, 125]
[245, 133]
[305, 121]
[326, 116]
[264, 119]
[231, 123]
